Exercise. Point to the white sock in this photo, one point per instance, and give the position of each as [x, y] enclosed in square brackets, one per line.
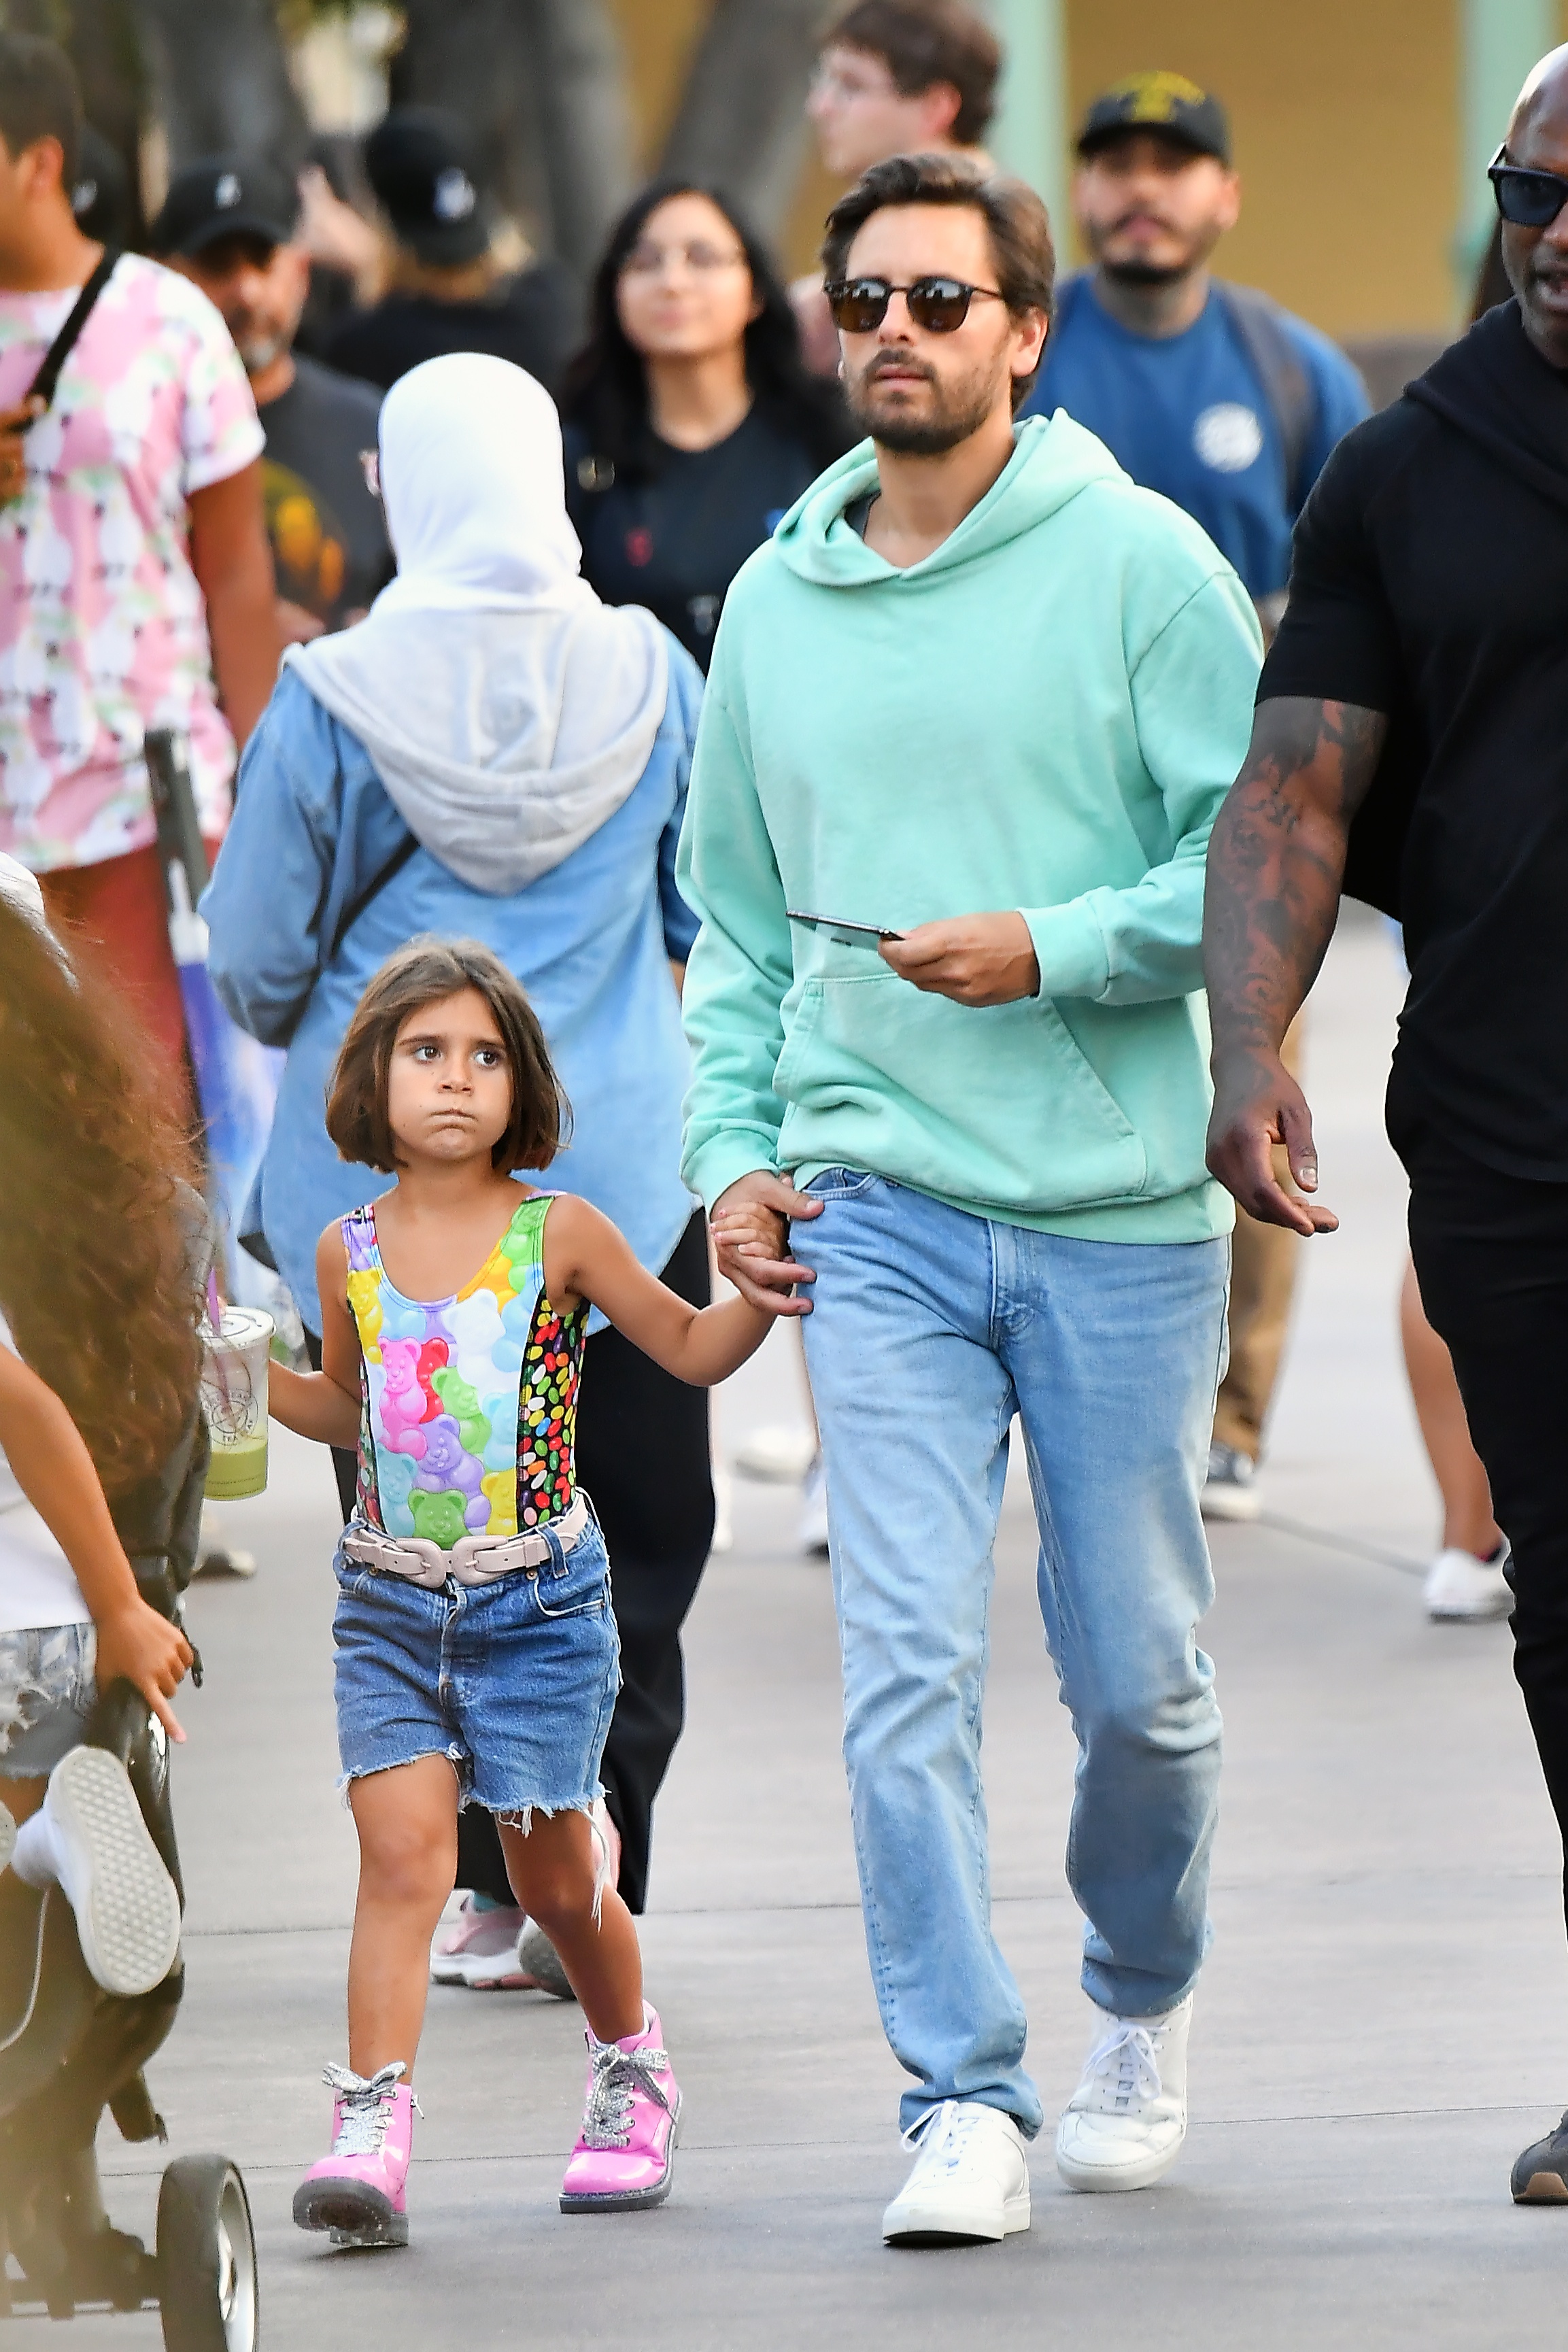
[34, 1858]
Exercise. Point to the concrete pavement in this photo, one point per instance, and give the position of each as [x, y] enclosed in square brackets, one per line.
[1381, 2027]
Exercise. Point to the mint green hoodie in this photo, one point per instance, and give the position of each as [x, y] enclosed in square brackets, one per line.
[1045, 714]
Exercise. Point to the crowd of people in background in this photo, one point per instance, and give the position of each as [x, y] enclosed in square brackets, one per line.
[424, 555]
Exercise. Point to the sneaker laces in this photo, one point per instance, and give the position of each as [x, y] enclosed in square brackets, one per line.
[1121, 2069]
[365, 2106]
[615, 2075]
[943, 2134]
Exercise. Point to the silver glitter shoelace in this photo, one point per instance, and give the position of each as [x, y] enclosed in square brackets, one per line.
[365, 2106]
[613, 2076]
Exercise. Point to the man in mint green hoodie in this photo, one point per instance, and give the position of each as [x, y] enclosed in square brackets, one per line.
[981, 693]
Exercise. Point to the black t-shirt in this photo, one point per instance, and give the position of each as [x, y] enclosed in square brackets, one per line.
[328, 536]
[675, 540]
[1431, 582]
[531, 319]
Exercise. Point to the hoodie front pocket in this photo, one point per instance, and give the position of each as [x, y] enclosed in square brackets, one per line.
[997, 1105]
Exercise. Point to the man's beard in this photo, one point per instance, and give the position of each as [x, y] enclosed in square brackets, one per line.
[953, 417]
[1136, 271]
[258, 350]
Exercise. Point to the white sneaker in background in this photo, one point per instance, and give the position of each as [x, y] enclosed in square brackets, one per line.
[1230, 1490]
[970, 2180]
[479, 1948]
[1462, 1589]
[778, 1455]
[1124, 2124]
[89, 1836]
[814, 1510]
[723, 1509]
[217, 1556]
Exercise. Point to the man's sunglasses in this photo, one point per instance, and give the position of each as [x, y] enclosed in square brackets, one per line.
[1528, 199]
[939, 305]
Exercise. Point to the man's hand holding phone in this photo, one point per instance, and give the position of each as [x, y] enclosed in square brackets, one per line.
[973, 958]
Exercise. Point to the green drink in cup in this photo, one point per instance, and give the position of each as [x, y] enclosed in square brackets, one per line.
[234, 1401]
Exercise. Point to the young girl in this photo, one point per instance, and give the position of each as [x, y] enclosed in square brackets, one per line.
[99, 1369]
[476, 1644]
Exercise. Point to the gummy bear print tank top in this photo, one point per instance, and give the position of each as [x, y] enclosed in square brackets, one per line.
[468, 1404]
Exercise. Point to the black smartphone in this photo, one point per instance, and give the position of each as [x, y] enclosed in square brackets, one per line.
[846, 934]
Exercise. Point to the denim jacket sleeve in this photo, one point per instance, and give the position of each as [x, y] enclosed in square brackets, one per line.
[681, 714]
[308, 821]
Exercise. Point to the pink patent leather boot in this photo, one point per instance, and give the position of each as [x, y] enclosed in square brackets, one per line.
[625, 2155]
[359, 2191]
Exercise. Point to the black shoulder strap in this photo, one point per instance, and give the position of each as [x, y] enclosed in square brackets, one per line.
[361, 900]
[45, 384]
[1287, 386]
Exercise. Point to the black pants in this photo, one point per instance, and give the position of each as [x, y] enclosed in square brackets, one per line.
[1491, 1258]
[642, 1455]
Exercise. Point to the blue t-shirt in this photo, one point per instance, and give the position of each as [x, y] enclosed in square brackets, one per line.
[1187, 415]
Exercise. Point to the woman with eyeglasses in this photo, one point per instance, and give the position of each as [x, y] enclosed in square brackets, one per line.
[692, 425]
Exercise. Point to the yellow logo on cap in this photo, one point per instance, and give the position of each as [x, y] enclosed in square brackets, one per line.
[1156, 96]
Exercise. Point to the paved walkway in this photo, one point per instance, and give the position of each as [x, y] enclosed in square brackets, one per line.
[1382, 2025]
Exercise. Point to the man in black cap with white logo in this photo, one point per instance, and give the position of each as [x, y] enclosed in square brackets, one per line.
[454, 287]
[230, 225]
[1229, 405]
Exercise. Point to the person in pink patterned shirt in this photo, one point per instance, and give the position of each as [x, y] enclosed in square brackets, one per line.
[135, 579]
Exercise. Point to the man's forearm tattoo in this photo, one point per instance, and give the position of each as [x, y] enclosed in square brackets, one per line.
[1275, 864]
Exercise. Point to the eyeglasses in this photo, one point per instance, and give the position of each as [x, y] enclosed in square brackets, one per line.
[939, 305]
[652, 260]
[1528, 199]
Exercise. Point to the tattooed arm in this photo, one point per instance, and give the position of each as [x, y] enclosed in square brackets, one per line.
[1275, 864]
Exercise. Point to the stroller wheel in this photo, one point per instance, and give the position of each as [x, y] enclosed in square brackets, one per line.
[206, 2258]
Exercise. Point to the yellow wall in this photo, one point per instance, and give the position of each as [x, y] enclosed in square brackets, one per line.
[1345, 115]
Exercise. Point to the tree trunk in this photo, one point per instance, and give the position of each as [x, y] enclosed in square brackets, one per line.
[220, 81]
[742, 122]
[541, 86]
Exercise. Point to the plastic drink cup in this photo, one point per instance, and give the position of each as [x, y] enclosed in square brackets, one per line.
[234, 1401]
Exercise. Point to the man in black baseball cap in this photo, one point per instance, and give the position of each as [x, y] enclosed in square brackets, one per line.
[231, 225]
[454, 288]
[1211, 394]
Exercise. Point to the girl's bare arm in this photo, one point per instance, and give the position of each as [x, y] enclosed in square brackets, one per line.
[325, 1405]
[56, 1474]
[588, 1257]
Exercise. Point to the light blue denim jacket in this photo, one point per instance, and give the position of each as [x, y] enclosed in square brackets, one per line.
[590, 940]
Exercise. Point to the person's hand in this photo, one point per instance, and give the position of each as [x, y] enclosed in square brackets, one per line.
[973, 959]
[332, 232]
[150, 1653]
[1259, 1106]
[14, 424]
[750, 1225]
[296, 625]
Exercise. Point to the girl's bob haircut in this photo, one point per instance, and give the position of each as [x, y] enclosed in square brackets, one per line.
[424, 973]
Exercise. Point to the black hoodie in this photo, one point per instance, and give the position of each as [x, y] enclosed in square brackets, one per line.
[1430, 581]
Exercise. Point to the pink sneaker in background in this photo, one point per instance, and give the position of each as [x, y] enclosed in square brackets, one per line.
[359, 2192]
[625, 2155]
[480, 1950]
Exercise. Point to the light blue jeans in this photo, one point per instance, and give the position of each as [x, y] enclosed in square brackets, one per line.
[930, 1328]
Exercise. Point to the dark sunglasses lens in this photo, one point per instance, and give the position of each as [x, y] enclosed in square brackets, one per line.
[860, 305]
[1529, 199]
[939, 305]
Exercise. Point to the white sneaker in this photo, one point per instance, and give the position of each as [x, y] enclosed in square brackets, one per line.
[1231, 1489]
[1461, 1589]
[779, 1454]
[111, 1873]
[813, 1536]
[217, 1556]
[479, 1949]
[970, 2179]
[1124, 2124]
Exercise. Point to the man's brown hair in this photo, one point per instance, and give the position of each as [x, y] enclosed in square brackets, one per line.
[421, 973]
[1019, 223]
[922, 42]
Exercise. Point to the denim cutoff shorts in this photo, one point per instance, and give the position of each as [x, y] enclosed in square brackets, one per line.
[47, 1693]
[514, 1681]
